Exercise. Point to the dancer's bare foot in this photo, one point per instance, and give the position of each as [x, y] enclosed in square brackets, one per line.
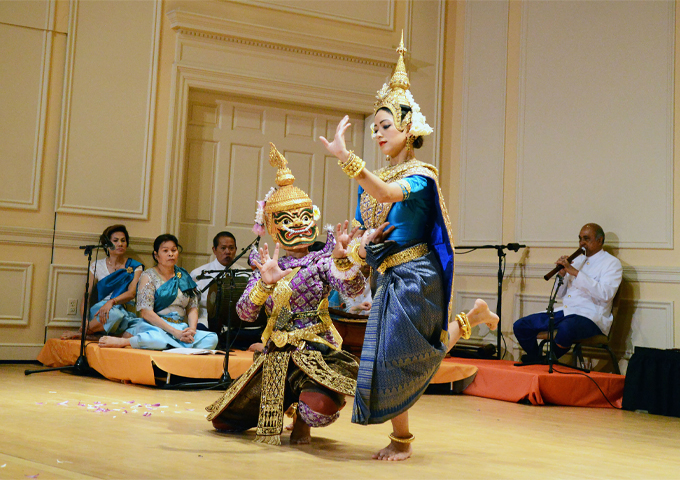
[301, 434]
[480, 313]
[113, 342]
[395, 451]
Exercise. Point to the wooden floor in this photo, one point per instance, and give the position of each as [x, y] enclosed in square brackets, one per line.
[46, 434]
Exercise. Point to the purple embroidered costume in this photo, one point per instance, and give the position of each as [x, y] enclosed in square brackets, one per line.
[302, 362]
[303, 352]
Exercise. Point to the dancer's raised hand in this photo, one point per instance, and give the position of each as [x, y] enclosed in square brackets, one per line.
[269, 268]
[343, 237]
[337, 147]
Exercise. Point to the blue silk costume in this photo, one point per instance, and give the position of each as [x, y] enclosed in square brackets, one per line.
[170, 300]
[405, 338]
[111, 286]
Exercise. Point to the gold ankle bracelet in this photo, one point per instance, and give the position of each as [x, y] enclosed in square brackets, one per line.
[409, 439]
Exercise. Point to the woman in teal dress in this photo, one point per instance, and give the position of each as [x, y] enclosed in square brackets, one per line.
[168, 303]
[116, 277]
[411, 325]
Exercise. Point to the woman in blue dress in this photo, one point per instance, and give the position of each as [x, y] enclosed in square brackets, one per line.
[116, 277]
[411, 325]
[168, 303]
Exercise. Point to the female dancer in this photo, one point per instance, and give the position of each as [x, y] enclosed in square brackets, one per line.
[168, 302]
[116, 278]
[406, 335]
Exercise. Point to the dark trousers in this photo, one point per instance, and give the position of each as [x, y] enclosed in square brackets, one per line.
[570, 328]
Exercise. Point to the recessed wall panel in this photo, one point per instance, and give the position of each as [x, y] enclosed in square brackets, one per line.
[483, 124]
[244, 173]
[21, 59]
[15, 285]
[200, 181]
[248, 118]
[107, 129]
[596, 121]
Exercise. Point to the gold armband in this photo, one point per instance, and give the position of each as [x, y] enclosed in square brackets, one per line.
[342, 264]
[260, 292]
[465, 328]
[353, 166]
[353, 252]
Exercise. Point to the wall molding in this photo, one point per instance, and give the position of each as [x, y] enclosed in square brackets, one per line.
[22, 319]
[227, 30]
[150, 114]
[20, 351]
[630, 274]
[62, 239]
[387, 25]
[41, 122]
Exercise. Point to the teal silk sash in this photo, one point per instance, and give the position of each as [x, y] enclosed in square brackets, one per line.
[167, 292]
[117, 282]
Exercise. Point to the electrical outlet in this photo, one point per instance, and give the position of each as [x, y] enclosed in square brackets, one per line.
[72, 308]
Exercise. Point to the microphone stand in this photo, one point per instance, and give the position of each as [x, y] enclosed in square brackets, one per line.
[550, 358]
[501, 271]
[81, 367]
[225, 381]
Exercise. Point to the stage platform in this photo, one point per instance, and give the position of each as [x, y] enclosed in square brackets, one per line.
[502, 380]
[496, 379]
[151, 367]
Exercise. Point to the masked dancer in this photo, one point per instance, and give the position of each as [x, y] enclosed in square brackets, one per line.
[302, 364]
[411, 325]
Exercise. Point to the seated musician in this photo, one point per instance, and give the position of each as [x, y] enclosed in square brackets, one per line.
[590, 284]
[168, 302]
[115, 277]
[224, 249]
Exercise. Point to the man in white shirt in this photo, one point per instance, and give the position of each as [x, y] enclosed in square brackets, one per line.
[224, 249]
[590, 284]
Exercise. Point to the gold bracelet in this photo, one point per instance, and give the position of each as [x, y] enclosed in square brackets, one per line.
[342, 264]
[260, 292]
[353, 166]
[353, 252]
[410, 439]
[465, 328]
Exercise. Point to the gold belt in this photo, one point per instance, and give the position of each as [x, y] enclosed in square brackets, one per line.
[404, 256]
[281, 338]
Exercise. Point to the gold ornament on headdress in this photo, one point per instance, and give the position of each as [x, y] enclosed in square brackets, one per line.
[287, 197]
[397, 94]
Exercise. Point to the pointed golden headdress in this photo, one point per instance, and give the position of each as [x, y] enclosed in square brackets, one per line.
[287, 197]
[397, 94]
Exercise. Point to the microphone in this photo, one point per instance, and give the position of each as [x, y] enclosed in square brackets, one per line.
[514, 246]
[203, 276]
[571, 258]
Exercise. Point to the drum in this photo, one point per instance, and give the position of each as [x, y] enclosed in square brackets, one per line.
[351, 328]
[223, 295]
[222, 298]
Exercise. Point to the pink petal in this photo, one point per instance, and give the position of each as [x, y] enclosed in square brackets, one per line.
[147, 414]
